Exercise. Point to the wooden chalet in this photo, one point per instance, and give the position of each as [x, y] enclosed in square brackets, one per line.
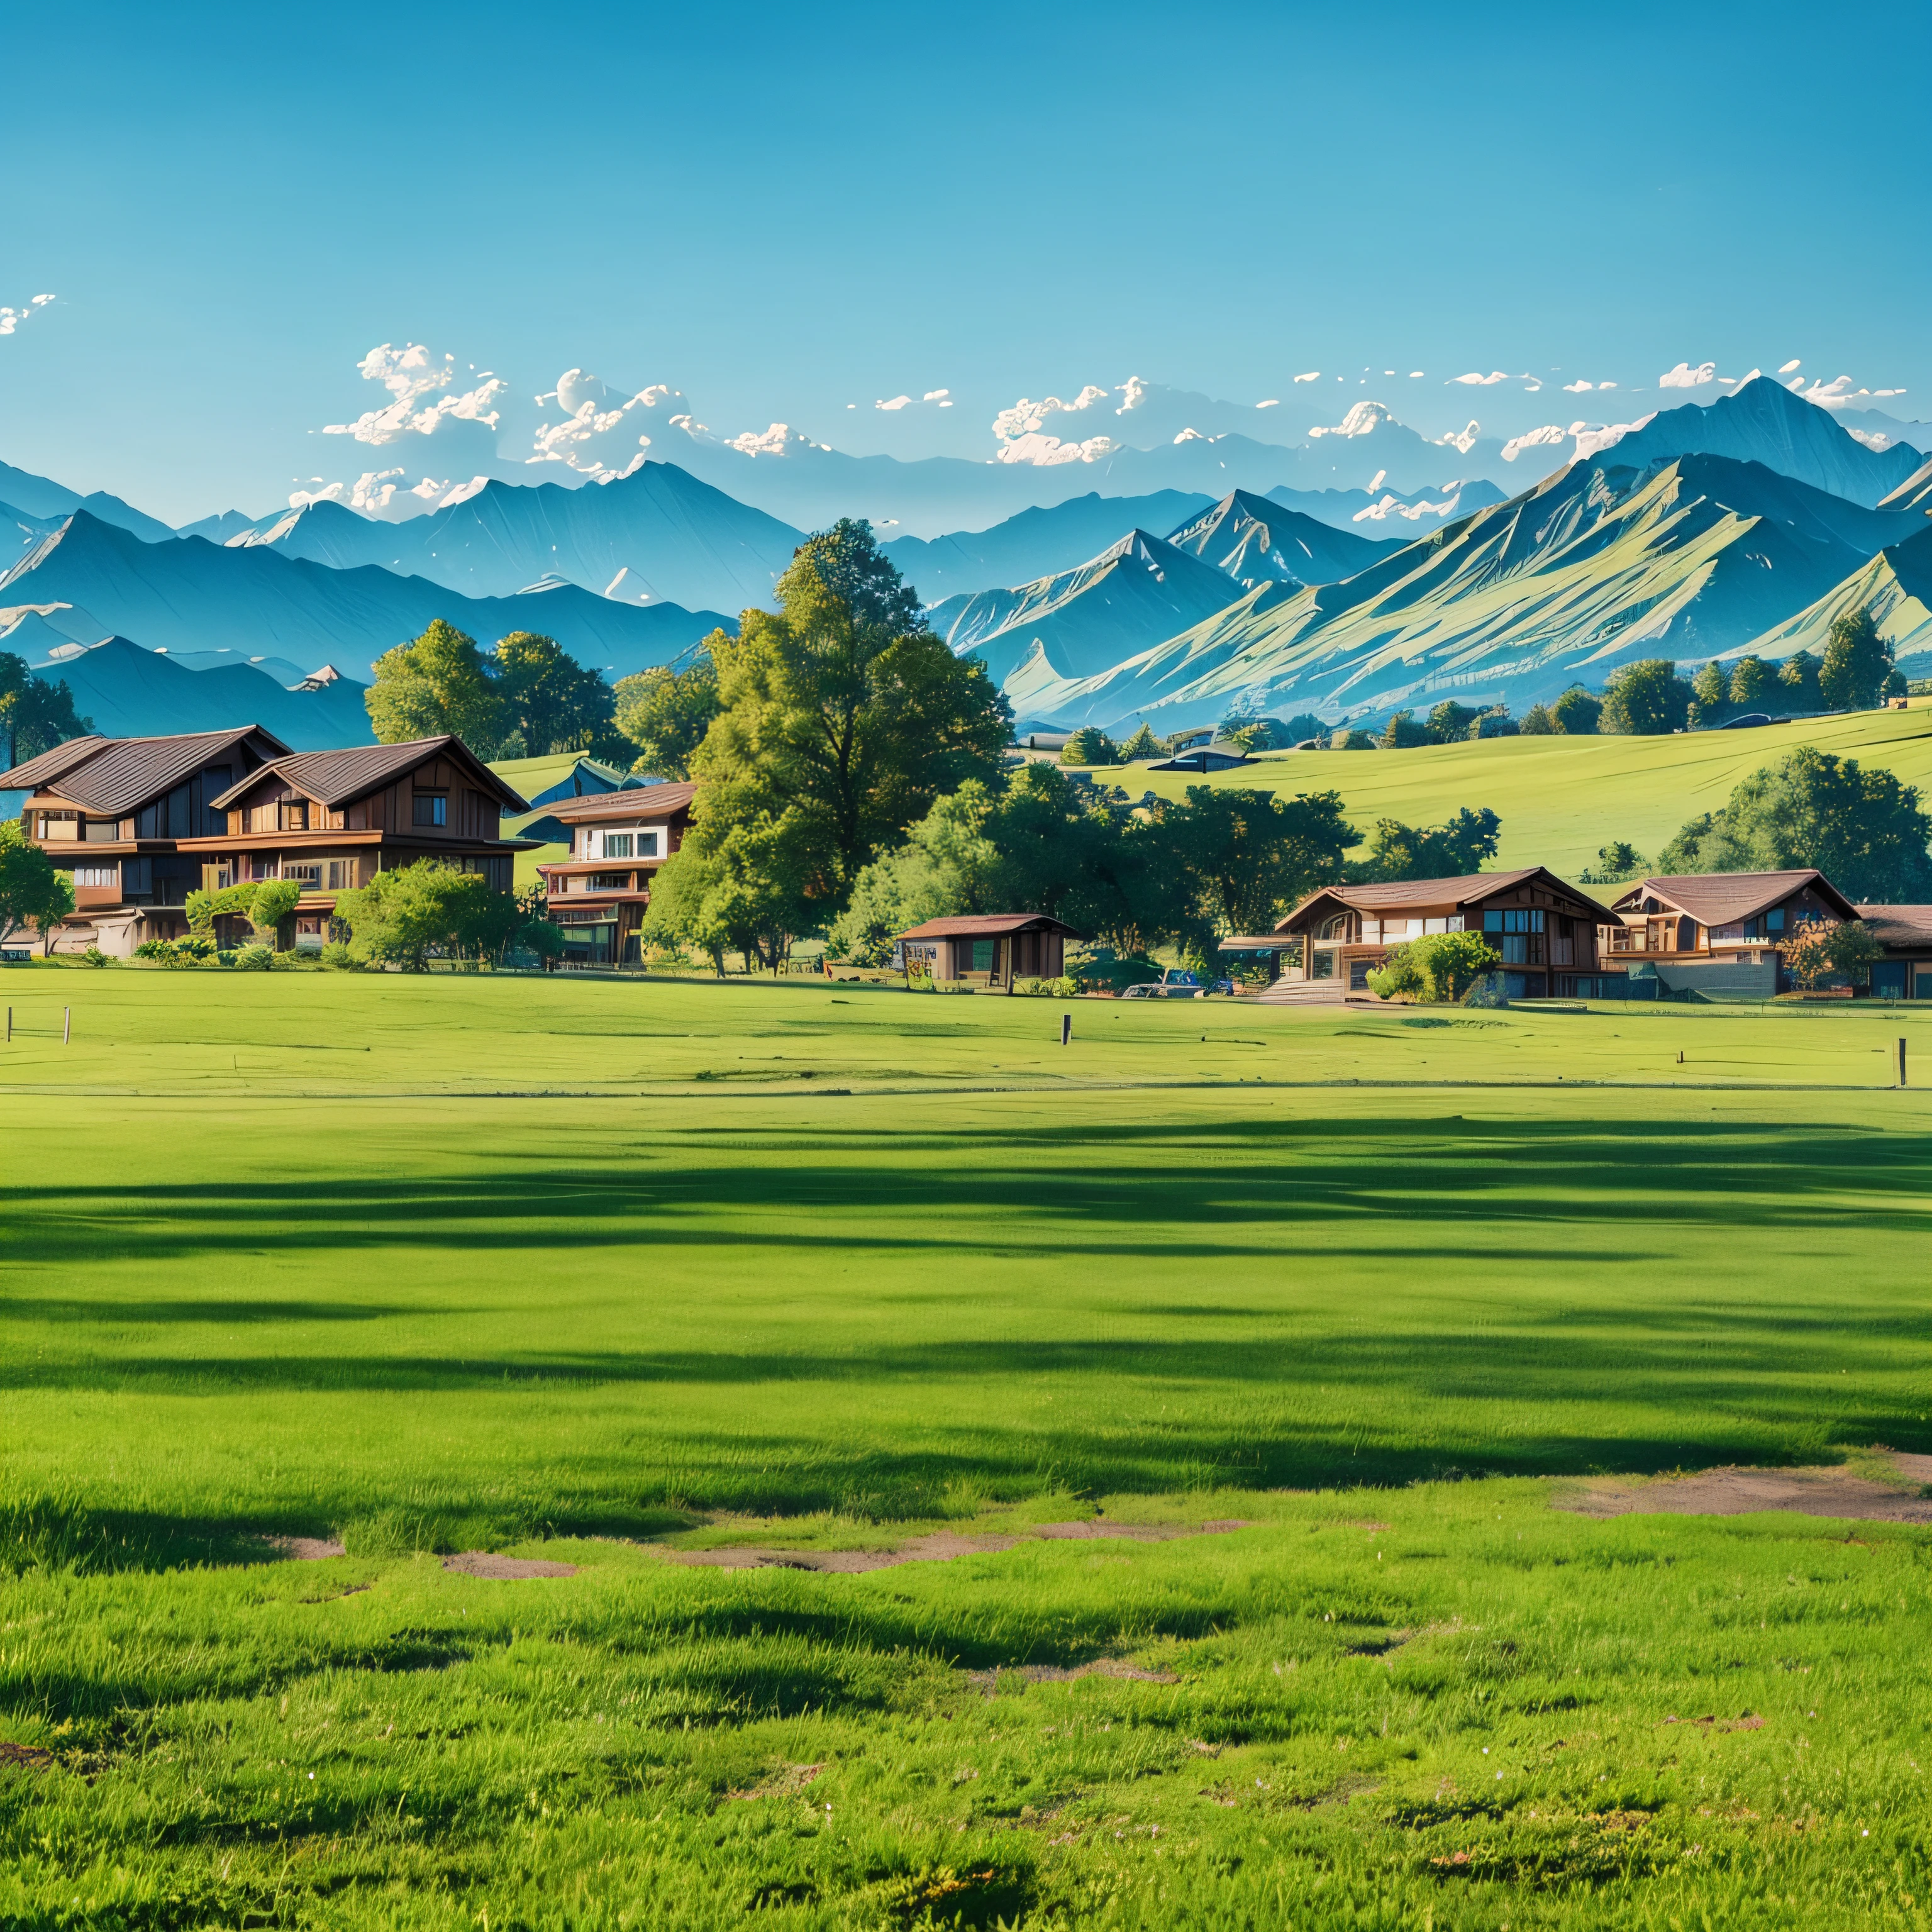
[115, 811]
[1905, 931]
[1545, 929]
[1716, 932]
[618, 840]
[145, 821]
[990, 949]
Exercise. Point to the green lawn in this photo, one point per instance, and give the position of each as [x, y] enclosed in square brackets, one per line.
[1561, 799]
[585, 1270]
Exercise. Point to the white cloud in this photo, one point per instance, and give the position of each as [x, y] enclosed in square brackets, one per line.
[376, 493]
[1192, 436]
[934, 396]
[897, 403]
[411, 374]
[1313, 375]
[1393, 506]
[1592, 439]
[1786, 368]
[1463, 439]
[1480, 381]
[1362, 420]
[1048, 451]
[1579, 387]
[779, 440]
[11, 319]
[1273, 403]
[1414, 374]
[1838, 393]
[1685, 377]
[603, 432]
[1531, 384]
[1533, 439]
[1025, 418]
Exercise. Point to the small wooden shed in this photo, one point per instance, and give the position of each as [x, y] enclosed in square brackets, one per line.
[992, 948]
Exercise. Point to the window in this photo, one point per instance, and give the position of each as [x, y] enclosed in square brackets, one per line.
[1323, 967]
[609, 882]
[57, 825]
[1334, 927]
[293, 815]
[1774, 920]
[647, 844]
[617, 844]
[432, 808]
[97, 876]
[339, 875]
[308, 875]
[983, 956]
[1512, 919]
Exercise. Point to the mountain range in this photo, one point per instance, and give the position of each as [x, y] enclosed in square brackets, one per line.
[1251, 538]
[188, 594]
[658, 535]
[1596, 565]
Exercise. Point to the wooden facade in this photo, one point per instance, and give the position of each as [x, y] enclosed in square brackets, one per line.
[618, 840]
[1545, 930]
[1905, 931]
[1718, 931]
[992, 949]
[144, 822]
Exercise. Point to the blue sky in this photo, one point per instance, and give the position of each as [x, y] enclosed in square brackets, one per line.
[783, 210]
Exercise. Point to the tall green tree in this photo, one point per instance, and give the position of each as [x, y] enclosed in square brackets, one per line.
[1240, 858]
[1862, 829]
[439, 683]
[1646, 698]
[35, 715]
[1857, 663]
[665, 713]
[32, 893]
[1710, 694]
[1752, 684]
[1577, 713]
[403, 915]
[1090, 745]
[1461, 845]
[842, 718]
[948, 865]
[1797, 686]
[547, 698]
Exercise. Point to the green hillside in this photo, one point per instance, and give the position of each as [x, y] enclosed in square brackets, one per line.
[1560, 799]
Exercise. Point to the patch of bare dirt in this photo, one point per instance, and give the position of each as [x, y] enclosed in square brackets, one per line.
[1750, 1721]
[941, 1546]
[487, 1563]
[786, 1781]
[987, 1680]
[304, 1549]
[28, 1757]
[1735, 1491]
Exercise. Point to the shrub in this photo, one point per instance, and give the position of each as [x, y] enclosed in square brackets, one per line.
[1404, 731]
[1537, 723]
[1346, 740]
[1577, 713]
[256, 958]
[1487, 991]
[1646, 699]
[336, 958]
[1090, 745]
[1398, 976]
[94, 956]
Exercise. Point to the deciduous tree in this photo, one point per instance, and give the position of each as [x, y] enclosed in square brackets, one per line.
[440, 683]
[1857, 662]
[665, 713]
[1645, 698]
[35, 715]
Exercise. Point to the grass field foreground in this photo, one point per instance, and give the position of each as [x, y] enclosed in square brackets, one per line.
[595, 1273]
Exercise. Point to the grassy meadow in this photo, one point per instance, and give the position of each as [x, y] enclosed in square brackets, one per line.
[1561, 799]
[617, 1275]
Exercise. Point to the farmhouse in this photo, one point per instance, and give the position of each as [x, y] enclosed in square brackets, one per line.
[113, 810]
[145, 821]
[618, 840]
[990, 949]
[1716, 932]
[1905, 931]
[1546, 931]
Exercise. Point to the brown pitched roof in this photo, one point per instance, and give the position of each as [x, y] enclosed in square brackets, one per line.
[1724, 898]
[1468, 889]
[114, 774]
[657, 801]
[1907, 927]
[987, 925]
[335, 778]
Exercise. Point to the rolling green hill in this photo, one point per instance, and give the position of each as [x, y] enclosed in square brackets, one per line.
[1560, 799]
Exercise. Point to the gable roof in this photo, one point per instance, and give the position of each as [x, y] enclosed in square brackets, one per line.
[1724, 898]
[987, 925]
[335, 778]
[1467, 888]
[657, 801]
[114, 774]
[1906, 926]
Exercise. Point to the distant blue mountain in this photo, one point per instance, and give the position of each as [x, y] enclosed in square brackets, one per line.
[189, 595]
[40, 496]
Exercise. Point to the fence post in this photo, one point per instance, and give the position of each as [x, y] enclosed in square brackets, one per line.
[1901, 1063]
[66, 1024]
[1067, 1029]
